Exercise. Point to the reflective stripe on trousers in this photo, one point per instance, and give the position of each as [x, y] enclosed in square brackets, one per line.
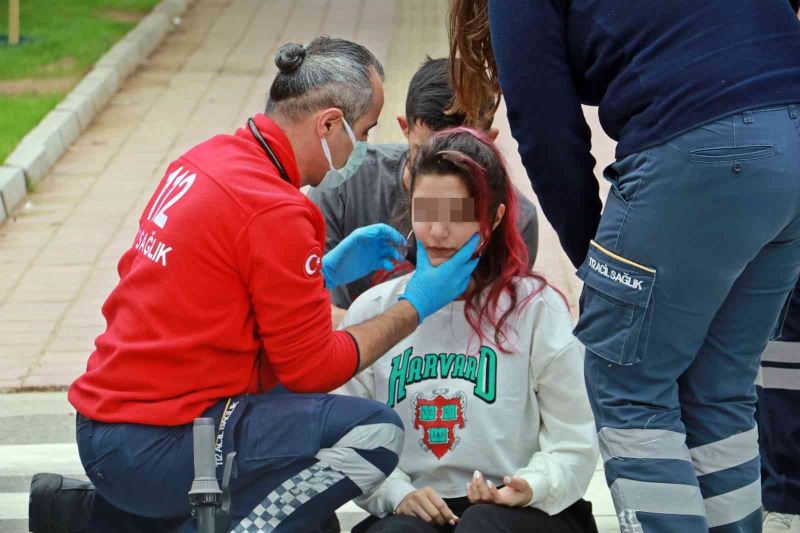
[681, 499]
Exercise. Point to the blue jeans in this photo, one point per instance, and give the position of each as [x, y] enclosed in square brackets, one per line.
[299, 458]
[697, 250]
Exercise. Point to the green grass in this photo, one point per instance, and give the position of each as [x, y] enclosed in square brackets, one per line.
[63, 38]
[66, 37]
[19, 114]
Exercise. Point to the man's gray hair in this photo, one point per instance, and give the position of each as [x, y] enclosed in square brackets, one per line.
[328, 72]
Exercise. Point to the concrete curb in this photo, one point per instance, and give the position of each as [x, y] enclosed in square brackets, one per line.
[12, 189]
[39, 150]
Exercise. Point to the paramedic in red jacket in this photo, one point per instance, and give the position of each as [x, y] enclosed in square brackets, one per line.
[222, 310]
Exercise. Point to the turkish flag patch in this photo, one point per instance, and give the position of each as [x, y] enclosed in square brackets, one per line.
[313, 263]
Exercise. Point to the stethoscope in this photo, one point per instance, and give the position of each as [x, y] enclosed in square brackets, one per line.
[263, 142]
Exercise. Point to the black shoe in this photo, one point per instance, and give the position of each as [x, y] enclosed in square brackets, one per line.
[58, 504]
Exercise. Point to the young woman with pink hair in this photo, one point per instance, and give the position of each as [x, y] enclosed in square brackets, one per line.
[499, 432]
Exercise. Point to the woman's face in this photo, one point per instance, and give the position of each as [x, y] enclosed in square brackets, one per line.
[443, 215]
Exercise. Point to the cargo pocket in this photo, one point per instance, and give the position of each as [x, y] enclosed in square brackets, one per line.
[616, 306]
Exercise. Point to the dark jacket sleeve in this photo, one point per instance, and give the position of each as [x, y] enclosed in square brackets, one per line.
[546, 117]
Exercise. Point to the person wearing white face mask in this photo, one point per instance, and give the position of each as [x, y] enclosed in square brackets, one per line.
[222, 311]
[336, 177]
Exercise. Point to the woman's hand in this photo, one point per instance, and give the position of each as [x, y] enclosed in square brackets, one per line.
[516, 492]
[428, 506]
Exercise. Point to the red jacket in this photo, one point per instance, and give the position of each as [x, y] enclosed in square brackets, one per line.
[225, 267]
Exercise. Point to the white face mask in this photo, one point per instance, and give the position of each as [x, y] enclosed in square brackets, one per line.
[336, 177]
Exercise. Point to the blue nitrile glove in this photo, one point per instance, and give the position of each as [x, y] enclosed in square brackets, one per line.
[431, 288]
[362, 252]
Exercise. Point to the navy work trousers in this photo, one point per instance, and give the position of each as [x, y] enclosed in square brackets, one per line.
[779, 414]
[697, 250]
[299, 458]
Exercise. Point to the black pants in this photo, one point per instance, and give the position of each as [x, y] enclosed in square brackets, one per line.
[488, 518]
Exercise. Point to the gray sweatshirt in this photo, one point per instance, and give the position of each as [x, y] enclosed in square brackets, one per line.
[468, 406]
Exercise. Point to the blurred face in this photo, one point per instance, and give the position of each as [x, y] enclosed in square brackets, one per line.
[439, 208]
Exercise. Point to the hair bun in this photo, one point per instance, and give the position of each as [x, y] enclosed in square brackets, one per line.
[290, 57]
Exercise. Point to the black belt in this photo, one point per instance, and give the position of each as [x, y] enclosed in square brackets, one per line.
[80, 419]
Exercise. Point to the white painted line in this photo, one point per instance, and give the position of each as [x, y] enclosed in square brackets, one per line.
[28, 459]
[35, 403]
[13, 506]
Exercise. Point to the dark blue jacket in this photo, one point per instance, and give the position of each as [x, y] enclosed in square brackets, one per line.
[655, 68]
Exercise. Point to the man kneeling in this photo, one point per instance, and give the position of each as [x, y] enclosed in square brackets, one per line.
[222, 311]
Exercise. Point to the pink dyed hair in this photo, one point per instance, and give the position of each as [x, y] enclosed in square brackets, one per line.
[474, 158]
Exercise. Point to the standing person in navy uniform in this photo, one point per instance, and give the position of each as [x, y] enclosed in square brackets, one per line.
[699, 242]
[779, 419]
[222, 310]
[779, 423]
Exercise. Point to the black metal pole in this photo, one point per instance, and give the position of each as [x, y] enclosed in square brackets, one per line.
[205, 494]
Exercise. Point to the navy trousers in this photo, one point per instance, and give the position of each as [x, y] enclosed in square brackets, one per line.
[299, 458]
[697, 250]
[779, 414]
